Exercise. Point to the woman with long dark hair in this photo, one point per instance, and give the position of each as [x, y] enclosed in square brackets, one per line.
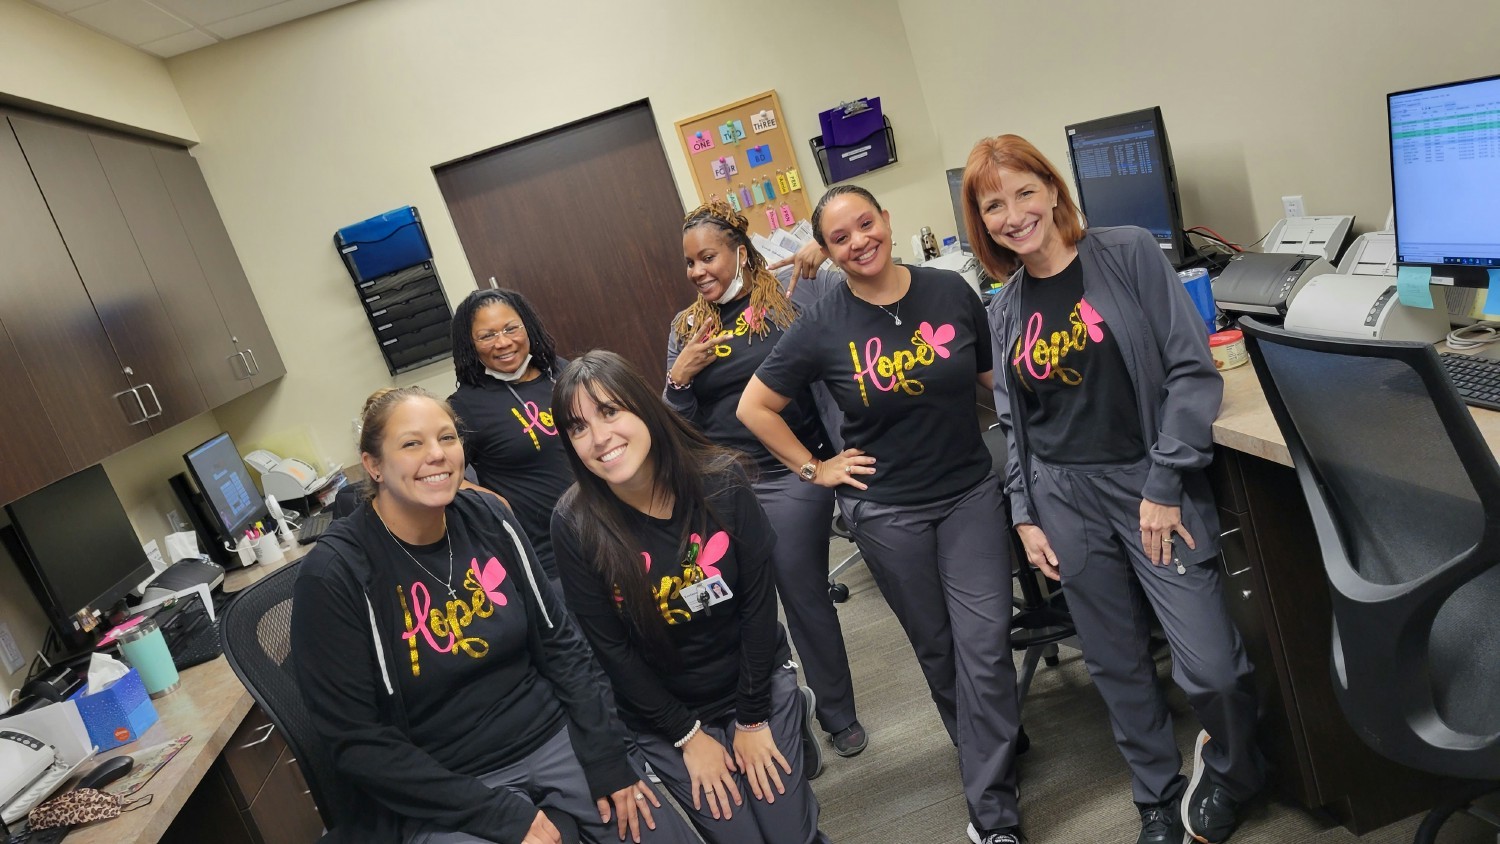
[714, 346]
[456, 696]
[1108, 394]
[665, 556]
[505, 362]
[901, 349]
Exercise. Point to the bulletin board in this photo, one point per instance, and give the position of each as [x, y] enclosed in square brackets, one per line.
[738, 148]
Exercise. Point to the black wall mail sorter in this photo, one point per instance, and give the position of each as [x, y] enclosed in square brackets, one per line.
[391, 265]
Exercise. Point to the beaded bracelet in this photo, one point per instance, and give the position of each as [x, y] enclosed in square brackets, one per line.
[697, 725]
[752, 728]
[676, 386]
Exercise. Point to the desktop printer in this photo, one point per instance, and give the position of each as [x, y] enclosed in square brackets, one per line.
[1359, 301]
[1265, 282]
[286, 479]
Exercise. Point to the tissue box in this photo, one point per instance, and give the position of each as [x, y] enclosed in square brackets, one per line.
[118, 714]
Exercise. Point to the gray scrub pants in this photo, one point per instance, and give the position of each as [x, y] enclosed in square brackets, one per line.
[802, 514]
[1091, 516]
[945, 570]
[792, 819]
[552, 779]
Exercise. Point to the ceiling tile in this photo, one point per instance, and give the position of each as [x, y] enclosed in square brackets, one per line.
[131, 21]
[200, 12]
[271, 16]
[66, 6]
[176, 45]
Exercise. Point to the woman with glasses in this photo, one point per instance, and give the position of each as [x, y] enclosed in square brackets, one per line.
[506, 362]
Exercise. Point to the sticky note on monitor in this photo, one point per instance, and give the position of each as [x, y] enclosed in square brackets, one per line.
[1413, 286]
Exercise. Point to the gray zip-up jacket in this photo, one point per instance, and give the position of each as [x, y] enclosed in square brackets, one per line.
[1178, 390]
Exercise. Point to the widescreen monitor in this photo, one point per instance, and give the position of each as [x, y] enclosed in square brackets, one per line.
[224, 481]
[955, 191]
[1123, 168]
[79, 547]
[1445, 178]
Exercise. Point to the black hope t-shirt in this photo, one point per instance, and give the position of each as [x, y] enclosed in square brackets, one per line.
[512, 441]
[1076, 393]
[738, 353]
[474, 698]
[725, 650]
[907, 390]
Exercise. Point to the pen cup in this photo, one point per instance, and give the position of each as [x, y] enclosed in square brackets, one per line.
[146, 651]
[266, 549]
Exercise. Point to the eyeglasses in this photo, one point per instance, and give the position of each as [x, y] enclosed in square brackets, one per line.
[510, 332]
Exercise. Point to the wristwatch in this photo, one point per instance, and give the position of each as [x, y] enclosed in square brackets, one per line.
[808, 471]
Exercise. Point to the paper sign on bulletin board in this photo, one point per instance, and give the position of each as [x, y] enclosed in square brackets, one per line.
[742, 154]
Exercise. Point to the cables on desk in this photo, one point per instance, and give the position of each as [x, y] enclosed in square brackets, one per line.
[1475, 336]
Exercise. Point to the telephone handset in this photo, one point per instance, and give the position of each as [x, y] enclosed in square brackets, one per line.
[24, 758]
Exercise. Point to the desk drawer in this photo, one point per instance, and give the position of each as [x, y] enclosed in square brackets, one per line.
[250, 756]
[283, 812]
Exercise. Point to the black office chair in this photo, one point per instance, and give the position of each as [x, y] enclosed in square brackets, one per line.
[1041, 620]
[839, 592]
[1405, 495]
[256, 629]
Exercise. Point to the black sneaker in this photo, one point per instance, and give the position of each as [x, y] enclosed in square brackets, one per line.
[1209, 814]
[1162, 824]
[850, 741]
[997, 836]
[812, 747]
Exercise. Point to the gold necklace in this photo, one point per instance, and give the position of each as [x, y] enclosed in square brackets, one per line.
[452, 593]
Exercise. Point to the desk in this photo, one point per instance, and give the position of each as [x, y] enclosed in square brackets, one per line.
[1276, 592]
[210, 705]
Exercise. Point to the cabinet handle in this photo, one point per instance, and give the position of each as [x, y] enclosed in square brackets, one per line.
[154, 400]
[493, 285]
[1229, 532]
[243, 362]
[139, 403]
[265, 737]
[1245, 594]
[1235, 573]
[254, 364]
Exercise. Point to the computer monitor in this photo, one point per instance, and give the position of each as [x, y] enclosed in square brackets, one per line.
[956, 190]
[1123, 168]
[1445, 178]
[79, 552]
[224, 481]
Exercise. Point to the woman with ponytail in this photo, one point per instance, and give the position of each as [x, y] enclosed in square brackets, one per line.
[713, 348]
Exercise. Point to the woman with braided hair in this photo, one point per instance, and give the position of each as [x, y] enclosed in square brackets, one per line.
[713, 348]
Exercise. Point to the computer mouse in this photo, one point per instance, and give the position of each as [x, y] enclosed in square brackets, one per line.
[107, 772]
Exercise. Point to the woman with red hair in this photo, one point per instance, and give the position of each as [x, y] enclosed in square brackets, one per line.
[1107, 393]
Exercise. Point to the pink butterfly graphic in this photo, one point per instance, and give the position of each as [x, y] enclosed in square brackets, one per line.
[490, 577]
[1091, 320]
[937, 338]
[713, 551]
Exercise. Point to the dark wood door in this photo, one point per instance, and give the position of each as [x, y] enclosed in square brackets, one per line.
[164, 245]
[586, 222]
[216, 255]
[30, 454]
[58, 338]
[94, 229]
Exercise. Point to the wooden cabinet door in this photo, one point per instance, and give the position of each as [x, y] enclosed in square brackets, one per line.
[126, 300]
[205, 229]
[30, 455]
[283, 811]
[58, 338]
[168, 255]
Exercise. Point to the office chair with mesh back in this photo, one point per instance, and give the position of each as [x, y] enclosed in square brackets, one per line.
[1041, 620]
[1405, 496]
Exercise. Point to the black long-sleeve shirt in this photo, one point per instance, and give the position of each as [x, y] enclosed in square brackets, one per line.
[725, 652]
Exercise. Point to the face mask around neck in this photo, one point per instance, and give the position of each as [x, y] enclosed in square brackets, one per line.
[738, 284]
[510, 377]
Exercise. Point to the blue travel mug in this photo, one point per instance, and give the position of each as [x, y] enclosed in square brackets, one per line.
[1202, 293]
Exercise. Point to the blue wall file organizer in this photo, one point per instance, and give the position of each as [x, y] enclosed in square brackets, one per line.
[391, 265]
[856, 139]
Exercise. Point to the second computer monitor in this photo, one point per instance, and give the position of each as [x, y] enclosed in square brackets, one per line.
[222, 478]
[1123, 168]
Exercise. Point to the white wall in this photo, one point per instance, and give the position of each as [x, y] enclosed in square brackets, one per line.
[1261, 99]
[323, 122]
[48, 61]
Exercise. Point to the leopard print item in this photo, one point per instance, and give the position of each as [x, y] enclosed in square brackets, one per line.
[80, 806]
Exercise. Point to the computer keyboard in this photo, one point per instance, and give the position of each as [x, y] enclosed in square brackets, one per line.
[1477, 379]
[313, 527]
